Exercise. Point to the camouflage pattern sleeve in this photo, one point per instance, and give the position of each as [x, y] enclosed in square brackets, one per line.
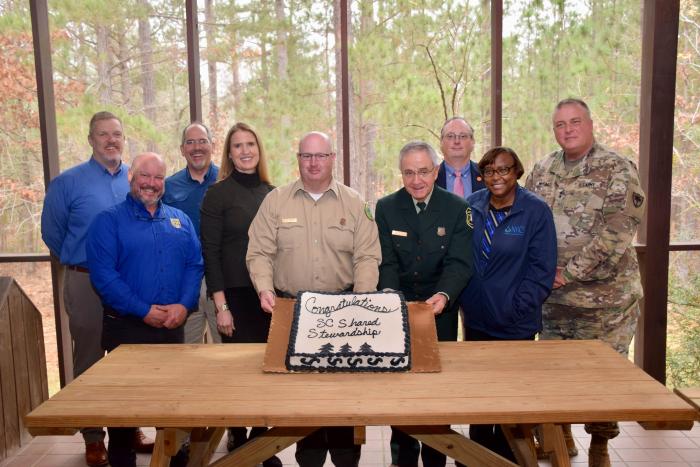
[614, 225]
[529, 181]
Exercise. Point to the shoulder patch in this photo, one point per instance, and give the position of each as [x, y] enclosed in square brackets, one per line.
[470, 220]
[637, 199]
[368, 212]
[175, 222]
[635, 202]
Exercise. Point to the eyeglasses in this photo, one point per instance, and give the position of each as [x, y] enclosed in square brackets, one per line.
[422, 173]
[461, 136]
[319, 156]
[488, 173]
[190, 142]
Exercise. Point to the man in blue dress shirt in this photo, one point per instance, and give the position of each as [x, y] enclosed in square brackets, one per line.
[185, 190]
[72, 201]
[146, 264]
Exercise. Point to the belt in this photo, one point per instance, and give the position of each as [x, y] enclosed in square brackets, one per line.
[79, 269]
[283, 294]
[112, 313]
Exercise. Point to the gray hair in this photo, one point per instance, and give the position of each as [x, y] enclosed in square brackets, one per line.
[573, 101]
[206, 128]
[414, 146]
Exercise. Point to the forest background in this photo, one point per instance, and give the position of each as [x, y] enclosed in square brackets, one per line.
[275, 65]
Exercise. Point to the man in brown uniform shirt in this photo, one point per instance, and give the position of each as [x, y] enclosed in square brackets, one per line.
[315, 234]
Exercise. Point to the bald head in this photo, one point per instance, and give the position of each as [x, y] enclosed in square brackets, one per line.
[147, 179]
[316, 136]
[146, 157]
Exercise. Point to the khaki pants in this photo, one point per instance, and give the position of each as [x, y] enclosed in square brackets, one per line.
[205, 315]
[84, 310]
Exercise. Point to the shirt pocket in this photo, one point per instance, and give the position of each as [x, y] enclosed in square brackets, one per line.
[341, 237]
[591, 212]
[402, 244]
[436, 245]
[289, 236]
[175, 196]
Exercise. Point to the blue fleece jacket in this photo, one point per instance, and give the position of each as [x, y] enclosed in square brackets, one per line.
[505, 299]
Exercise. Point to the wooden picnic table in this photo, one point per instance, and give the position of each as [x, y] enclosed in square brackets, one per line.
[692, 396]
[204, 388]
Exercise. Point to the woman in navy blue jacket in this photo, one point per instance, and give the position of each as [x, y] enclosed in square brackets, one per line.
[515, 258]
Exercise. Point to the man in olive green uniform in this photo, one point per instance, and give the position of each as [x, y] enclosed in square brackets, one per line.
[426, 254]
[598, 203]
[314, 234]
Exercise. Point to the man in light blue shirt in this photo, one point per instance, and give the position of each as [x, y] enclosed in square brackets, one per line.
[72, 201]
[185, 190]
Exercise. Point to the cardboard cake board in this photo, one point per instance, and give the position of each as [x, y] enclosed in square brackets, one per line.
[425, 357]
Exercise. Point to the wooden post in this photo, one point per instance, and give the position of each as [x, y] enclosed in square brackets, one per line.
[49, 154]
[195, 85]
[659, 51]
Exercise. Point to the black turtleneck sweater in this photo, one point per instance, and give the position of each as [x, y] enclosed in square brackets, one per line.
[228, 208]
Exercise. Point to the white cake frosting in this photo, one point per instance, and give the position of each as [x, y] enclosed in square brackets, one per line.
[349, 332]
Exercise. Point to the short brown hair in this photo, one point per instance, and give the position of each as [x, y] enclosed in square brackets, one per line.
[103, 115]
[226, 167]
[490, 157]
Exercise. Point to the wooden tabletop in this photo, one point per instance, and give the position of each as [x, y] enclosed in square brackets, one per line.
[692, 396]
[481, 382]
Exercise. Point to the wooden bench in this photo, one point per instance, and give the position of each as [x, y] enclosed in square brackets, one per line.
[23, 380]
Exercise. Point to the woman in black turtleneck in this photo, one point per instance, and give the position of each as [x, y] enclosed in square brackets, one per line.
[228, 208]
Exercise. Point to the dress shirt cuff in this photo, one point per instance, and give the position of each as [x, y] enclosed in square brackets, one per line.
[262, 283]
[444, 294]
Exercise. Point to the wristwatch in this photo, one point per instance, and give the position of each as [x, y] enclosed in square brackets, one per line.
[224, 307]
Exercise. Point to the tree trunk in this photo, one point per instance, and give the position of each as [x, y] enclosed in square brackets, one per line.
[103, 78]
[366, 129]
[211, 63]
[338, 94]
[147, 78]
[282, 57]
[125, 84]
[281, 47]
[235, 78]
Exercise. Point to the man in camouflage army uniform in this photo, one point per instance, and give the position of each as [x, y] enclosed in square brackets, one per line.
[598, 203]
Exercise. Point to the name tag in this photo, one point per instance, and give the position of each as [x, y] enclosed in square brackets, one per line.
[399, 233]
[289, 220]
